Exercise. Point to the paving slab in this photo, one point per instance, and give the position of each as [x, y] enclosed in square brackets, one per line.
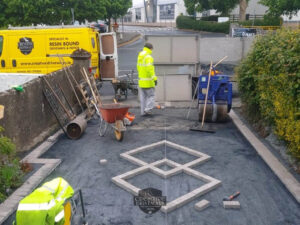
[231, 205]
[203, 204]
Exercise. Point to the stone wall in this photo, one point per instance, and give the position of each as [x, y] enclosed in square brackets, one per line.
[28, 118]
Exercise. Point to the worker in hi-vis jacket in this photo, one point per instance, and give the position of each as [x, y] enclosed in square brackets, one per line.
[147, 79]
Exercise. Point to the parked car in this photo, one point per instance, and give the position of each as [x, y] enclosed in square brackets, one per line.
[101, 27]
[243, 32]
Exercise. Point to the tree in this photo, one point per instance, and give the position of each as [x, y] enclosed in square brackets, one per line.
[87, 9]
[20, 12]
[281, 7]
[243, 7]
[116, 9]
[193, 6]
[222, 6]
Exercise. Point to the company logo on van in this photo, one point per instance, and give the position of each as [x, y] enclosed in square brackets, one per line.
[25, 45]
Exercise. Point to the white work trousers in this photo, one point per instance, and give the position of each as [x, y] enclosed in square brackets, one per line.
[147, 99]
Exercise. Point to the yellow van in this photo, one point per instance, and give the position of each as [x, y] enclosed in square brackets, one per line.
[24, 49]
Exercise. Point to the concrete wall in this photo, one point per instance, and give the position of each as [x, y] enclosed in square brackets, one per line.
[177, 59]
[161, 69]
[173, 87]
[174, 49]
[191, 49]
[28, 118]
[216, 48]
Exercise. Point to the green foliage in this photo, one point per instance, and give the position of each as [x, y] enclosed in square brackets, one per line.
[222, 6]
[267, 21]
[185, 22]
[10, 171]
[210, 18]
[269, 82]
[21, 13]
[116, 8]
[193, 6]
[280, 7]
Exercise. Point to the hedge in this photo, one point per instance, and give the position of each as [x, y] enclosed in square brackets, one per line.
[269, 82]
[267, 21]
[210, 18]
[185, 22]
[10, 170]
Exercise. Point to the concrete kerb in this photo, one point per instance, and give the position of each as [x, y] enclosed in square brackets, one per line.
[134, 39]
[11, 203]
[281, 172]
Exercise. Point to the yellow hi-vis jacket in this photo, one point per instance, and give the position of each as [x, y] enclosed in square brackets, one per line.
[145, 69]
[45, 205]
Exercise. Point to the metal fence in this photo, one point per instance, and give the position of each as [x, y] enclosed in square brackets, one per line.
[236, 17]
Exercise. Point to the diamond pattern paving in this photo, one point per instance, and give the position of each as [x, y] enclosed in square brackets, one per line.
[175, 168]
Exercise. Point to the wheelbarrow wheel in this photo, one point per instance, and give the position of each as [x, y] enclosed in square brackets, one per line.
[134, 91]
[102, 128]
[119, 130]
[119, 135]
[118, 94]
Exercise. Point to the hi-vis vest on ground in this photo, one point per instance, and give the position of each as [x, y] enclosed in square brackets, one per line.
[145, 69]
[24, 49]
[45, 205]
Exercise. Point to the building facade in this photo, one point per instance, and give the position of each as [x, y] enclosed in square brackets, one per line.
[153, 11]
[156, 11]
[168, 10]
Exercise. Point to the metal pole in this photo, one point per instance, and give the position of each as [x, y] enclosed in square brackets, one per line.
[73, 19]
[207, 91]
[146, 14]
[196, 90]
[122, 24]
[82, 207]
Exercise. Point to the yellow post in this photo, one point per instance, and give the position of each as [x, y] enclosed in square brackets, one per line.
[1, 111]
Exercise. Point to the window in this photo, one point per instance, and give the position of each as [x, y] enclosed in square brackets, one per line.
[167, 12]
[1, 44]
[138, 14]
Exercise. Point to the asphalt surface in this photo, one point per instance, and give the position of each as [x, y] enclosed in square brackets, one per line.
[167, 30]
[263, 199]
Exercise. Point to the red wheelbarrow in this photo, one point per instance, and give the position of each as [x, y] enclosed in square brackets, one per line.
[113, 115]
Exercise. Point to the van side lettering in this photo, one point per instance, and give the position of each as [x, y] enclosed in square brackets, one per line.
[71, 43]
[56, 39]
[54, 43]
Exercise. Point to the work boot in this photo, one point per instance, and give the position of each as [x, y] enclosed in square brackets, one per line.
[148, 112]
[159, 106]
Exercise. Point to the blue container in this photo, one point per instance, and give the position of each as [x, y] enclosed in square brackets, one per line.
[220, 90]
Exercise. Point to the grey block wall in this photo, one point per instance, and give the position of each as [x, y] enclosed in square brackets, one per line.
[28, 118]
[174, 50]
[176, 56]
